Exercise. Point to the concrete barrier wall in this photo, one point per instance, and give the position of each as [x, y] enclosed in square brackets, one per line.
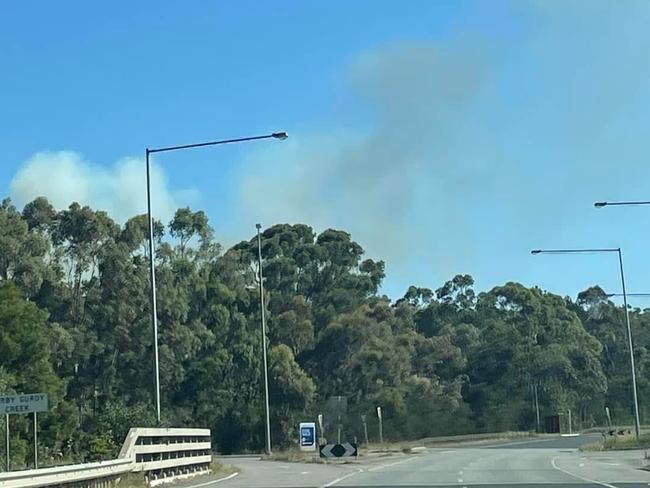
[167, 454]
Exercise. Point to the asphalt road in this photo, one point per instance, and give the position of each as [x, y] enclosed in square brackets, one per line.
[551, 462]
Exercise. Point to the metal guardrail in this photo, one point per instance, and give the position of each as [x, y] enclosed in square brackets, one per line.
[59, 475]
[161, 454]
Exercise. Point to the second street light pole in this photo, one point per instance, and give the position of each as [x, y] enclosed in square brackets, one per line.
[152, 298]
[637, 421]
[152, 271]
[266, 370]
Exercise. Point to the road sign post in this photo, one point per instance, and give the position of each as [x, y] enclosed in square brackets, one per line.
[339, 426]
[381, 426]
[536, 409]
[7, 464]
[35, 441]
[321, 427]
[365, 429]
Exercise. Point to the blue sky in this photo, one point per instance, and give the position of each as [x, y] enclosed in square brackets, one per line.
[447, 136]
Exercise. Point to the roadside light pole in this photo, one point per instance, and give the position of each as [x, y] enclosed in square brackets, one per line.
[637, 422]
[266, 369]
[152, 271]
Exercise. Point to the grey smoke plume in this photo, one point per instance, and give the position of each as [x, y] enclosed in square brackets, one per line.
[395, 184]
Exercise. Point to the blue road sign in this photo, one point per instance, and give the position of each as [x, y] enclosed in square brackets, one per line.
[307, 436]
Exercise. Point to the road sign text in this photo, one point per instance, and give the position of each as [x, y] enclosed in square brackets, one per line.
[24, 403]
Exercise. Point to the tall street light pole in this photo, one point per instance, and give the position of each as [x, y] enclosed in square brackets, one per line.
[266, 369]
[152, 273]
[637, 421]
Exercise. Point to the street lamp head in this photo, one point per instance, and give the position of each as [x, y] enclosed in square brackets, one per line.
[258, 226]
[600, 204]
[536, 251]
[280, 135]
[610, 295]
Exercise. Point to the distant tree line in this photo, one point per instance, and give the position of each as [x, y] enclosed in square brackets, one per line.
[75, 323]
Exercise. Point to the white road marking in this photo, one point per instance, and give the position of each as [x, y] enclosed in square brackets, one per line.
[581, 465]
[382, 466]
[460, 480]
[588, 480]
[230, 476]
[304, 472]
[460, 472]
[338, 480]
[534, 441]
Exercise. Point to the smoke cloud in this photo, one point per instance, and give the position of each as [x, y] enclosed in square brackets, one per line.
[395, 184]
[65, 176]
[464, 153]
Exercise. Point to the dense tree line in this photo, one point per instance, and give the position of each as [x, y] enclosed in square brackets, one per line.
[74, 322]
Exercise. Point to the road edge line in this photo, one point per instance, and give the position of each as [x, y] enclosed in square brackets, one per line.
[577, 476]
[225, 478]
[338, 480]
[382, 466]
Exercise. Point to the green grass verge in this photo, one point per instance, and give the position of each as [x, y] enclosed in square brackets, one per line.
[476, 438]
[391, 448]
[218, 468]
[295, 456]
[619, 443]
[136, 480]
[132, 480]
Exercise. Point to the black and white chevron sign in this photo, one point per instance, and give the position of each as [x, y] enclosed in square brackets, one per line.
[338, 450]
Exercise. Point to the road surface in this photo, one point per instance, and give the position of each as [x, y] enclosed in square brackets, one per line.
[540, 463]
